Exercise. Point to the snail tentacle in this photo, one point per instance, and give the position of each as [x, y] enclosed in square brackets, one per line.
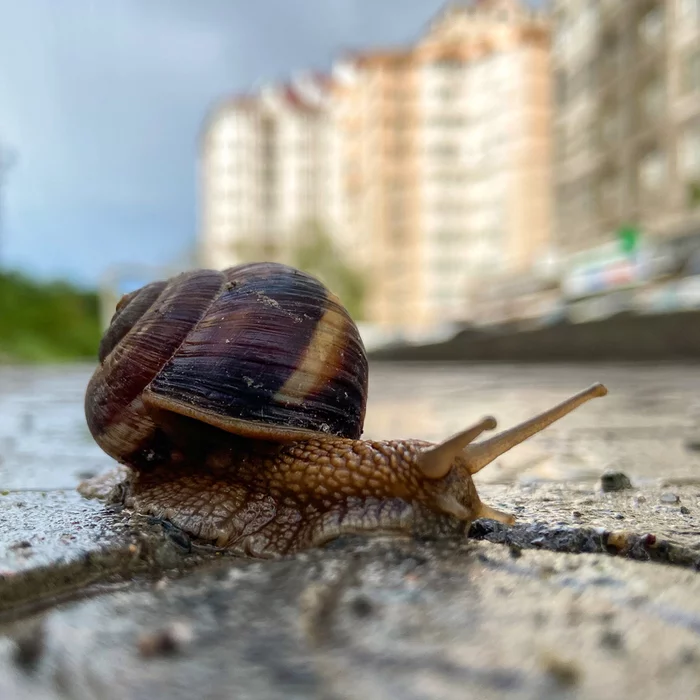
[480, 454]
[436, 461]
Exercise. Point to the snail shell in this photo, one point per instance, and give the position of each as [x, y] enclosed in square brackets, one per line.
[261, 350]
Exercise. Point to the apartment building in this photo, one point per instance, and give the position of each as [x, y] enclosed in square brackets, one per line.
[627, 127]
[429, 164]
[447, 145]
[269, 169]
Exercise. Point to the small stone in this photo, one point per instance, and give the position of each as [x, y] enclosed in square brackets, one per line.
[619, 539]
[612, 640]
[563, 671]
[619, 516]
[515, 551]
[362, 606]
[685, 510]
[688, 655]
[615, 481]
[577, 514]
[166, 641]
[669, 497]
[547, 570]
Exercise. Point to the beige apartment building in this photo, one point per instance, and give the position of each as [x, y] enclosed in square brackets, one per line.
[430, 164]
[627, 128]
[269, 168]
[447, 145]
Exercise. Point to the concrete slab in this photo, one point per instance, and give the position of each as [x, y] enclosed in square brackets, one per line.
[592, 595]
[379, 619]
[55, 543]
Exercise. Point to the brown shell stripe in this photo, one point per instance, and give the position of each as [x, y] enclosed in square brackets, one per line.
[232, 367]
[113, 404]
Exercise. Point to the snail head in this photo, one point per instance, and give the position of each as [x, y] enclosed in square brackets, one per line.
[452, 463]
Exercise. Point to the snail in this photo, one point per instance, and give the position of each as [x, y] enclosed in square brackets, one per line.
[235, 401]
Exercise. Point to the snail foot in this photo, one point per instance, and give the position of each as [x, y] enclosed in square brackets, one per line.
[237, 518]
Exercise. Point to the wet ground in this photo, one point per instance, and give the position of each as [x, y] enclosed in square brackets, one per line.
[593, 594]
[645, 425]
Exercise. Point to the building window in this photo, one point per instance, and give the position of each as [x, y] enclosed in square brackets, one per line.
[449, 65]
[446, 237]
[610, 130]
[653, 99]
[560, 88]
[651, 26]
[689, 152]
[653, 170]
[688, 11]
[610, 195]
[446, 151]
[690, 79]
[582, 81]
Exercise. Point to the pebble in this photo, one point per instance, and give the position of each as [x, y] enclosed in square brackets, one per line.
[362, 606]
[564, 671]
[612, 640]
[615, 481]
[166, 641]
[688, 656]
[669, 497]
[685, 510]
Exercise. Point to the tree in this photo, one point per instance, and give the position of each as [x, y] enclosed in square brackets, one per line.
[694, 194]
[316, 254]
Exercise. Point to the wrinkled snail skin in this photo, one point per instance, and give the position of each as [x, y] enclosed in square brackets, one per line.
[236, 400]
[303, 494]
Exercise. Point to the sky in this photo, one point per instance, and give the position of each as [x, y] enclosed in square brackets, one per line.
[102, 104]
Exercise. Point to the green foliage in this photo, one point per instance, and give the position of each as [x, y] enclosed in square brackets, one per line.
[46, 322]
[694, 194]
[316, 254]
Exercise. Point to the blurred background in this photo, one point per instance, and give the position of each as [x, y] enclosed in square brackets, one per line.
[439, 165]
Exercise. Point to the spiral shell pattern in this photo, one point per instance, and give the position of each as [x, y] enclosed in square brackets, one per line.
[260, 350]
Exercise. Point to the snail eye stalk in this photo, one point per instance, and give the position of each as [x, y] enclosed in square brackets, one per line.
[435, 462]
[479, 455]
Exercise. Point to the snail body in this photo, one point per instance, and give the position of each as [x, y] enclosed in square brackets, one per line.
[236, 400]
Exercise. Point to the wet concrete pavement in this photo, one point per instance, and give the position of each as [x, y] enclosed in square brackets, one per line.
[592, 594]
